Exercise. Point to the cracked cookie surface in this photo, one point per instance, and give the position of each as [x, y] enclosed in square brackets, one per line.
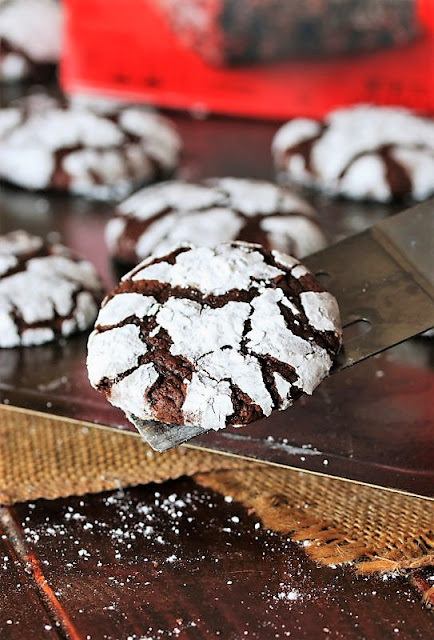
[362, 152]
[46, 292]
[100, 153]
[213, 336]
[217, 210]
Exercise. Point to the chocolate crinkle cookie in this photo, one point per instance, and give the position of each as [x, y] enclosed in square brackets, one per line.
[30, 37]
[159, 217]
[361, 152]
[213, 336]
[104, 154]
[46, 292]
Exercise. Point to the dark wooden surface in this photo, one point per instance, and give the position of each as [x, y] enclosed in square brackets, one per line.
[177, 561]
[21, 611]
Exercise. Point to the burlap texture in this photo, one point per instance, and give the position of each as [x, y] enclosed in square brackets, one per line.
[43, 457]
[338, 521]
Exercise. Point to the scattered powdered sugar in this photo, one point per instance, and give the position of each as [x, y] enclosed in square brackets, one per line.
[390, 575]
[172, 558]
[287, 593]
[176, 541]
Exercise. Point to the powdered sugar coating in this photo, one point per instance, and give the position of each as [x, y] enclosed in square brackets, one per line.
[45, 291]
[98, 154]
[362, 152]
[14, 246]
[30, 34]
[162, 216]
[19, 243]
[211, 271]
[129, 348]
[320, 310]
[213, 336]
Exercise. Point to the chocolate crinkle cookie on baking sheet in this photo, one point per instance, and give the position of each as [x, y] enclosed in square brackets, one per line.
[218, 210]
[102, 153]
[46, 292]
[362, 152]
[30, 37]
[213, 336]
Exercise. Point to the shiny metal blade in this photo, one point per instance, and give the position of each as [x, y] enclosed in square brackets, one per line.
[162, 436]
[383, 279]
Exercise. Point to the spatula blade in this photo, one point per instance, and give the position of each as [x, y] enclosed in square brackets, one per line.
[163, 436]
[382, 277]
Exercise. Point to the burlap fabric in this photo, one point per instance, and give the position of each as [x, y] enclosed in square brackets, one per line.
[338, 521]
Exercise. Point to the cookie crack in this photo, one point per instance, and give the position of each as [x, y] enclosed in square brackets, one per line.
[55, 321]
[293, 288]
[301, 327]
[304, 149]
[270, 365]
[23, 260]
[244, 409]
[397, 176]
[106, 383]
[167, 394]
[162, 291]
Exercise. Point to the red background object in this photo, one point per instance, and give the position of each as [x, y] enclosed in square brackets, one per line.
[126, 49]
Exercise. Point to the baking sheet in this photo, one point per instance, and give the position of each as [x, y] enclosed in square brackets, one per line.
[372, 423]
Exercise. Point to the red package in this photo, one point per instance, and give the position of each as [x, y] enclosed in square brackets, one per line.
[261, 58]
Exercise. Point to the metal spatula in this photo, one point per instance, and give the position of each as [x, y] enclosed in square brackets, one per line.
[383, 279]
